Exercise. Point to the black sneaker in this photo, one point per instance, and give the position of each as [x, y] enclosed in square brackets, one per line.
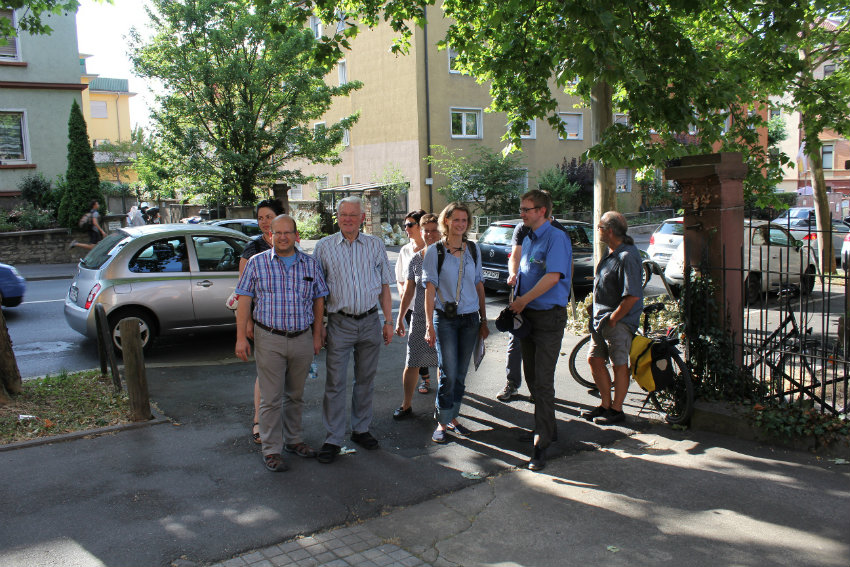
[594, 413]
[507, 393]
[538, 460]
[611, 417]
[327, 453]
[401, 413]
[365, 440]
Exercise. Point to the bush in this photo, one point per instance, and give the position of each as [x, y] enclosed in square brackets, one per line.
[309, 225]
[35, 189]
[33, 218]
[5, 224]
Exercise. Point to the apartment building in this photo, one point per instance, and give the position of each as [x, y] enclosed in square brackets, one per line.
[39, 80]
[410, 103]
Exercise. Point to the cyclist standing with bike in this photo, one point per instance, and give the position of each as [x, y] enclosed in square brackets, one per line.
[617, 305]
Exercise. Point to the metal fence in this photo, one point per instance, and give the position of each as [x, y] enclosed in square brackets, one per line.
[480, 223]
[794, 344]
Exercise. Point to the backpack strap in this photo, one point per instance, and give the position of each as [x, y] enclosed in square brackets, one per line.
[441, 257]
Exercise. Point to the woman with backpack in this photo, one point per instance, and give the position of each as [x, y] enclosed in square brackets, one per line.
[455, 313]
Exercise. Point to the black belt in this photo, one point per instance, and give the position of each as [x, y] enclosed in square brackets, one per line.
[287, 334]
[459, 315]
[359, 315]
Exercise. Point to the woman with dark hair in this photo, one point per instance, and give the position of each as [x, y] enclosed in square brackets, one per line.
[267, 210]
[455, 293]
[407, 252]
[419, 353]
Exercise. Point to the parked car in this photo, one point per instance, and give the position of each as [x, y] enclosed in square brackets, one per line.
[845, 252]
[794, 214]
[245, 226]
[807, 231]
[172, 277]
[12, 286]
[665, 240]
[773, 260]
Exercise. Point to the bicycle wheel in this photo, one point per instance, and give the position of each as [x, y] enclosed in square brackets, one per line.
[579, 368]
[677, 400]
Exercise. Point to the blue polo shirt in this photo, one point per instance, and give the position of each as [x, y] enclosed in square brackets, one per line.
[546, 250]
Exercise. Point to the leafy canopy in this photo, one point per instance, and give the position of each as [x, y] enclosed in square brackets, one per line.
[242, 86]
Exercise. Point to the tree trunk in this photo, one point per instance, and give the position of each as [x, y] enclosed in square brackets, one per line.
[10, 376]
[823, 216]
[604, 191]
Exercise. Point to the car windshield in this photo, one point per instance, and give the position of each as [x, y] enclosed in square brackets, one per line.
[104, 250]
[674, 227]
[580, 236]
[497, 235]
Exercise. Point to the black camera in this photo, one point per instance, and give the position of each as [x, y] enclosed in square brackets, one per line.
[450, 309]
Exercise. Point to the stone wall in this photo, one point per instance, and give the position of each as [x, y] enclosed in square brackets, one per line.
[41, 246]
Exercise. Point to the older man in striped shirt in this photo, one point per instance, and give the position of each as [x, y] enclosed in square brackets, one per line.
[288, 291]
[358, 276]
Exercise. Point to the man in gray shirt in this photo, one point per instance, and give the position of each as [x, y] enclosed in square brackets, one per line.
[617, 305]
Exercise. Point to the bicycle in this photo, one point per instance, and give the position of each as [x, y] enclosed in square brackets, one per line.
[677, 400]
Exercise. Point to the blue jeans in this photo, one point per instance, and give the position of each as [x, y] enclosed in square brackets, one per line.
[455, 343]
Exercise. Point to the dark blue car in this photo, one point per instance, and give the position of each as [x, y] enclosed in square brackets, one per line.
[12, 286]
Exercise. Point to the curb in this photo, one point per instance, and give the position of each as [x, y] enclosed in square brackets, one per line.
[156, 420]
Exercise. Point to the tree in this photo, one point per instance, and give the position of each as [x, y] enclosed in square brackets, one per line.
[82, 183]
[30, 20]
[570, 184]
[119, 157]
[242, 86]
[492, 180]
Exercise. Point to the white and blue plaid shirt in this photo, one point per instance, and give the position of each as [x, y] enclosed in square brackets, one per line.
[283, 297]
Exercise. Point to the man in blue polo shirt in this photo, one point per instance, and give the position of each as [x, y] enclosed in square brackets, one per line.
[288, 290]
[542, 293]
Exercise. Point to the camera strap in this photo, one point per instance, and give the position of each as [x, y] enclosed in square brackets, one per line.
[459, 275]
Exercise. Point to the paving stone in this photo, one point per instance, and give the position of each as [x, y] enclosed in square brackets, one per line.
[253, 557]
[235, 562]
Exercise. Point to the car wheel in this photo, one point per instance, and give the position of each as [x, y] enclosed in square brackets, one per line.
[807, 280]
[752, 289]
[146, 326]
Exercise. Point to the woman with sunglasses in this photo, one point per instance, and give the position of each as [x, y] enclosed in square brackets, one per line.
[267, 210]
[419, 353]
[416, 244]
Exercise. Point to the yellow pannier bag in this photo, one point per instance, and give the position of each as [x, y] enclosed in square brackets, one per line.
[650, 363]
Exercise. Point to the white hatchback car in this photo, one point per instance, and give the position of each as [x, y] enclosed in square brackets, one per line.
[665, 240]
[773, 259]
[845, 252]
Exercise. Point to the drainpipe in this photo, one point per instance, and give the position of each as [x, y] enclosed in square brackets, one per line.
[428, 113]
[118, 117]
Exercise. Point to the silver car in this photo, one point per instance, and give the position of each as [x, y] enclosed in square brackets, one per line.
[172, 277]
[807, 231]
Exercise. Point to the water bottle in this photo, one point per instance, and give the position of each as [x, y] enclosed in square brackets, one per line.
[314, 369]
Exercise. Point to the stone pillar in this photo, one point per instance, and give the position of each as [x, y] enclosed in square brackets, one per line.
[372, 207]
[713, 199]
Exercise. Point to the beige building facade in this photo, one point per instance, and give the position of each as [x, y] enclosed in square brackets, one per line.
[412, 102]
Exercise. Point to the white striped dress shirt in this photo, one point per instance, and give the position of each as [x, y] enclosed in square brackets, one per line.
[354, 271]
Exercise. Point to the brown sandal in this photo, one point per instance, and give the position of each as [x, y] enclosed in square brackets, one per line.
[256, 434]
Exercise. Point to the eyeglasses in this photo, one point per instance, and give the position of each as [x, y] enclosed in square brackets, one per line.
[409, 224]
[524, 210]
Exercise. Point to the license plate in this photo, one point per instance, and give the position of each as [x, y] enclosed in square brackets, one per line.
[72, 293]
[490, 275]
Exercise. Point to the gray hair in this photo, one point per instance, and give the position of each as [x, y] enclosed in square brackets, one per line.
[617, 223]
[353, 199]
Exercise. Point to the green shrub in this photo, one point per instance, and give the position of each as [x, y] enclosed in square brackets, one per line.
[36, 189]
[309, 225]
[33, 218]
[5, 224]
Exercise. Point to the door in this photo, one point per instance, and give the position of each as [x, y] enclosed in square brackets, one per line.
[215, 277]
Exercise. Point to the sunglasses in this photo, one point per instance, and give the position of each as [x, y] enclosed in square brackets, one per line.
[409, 224]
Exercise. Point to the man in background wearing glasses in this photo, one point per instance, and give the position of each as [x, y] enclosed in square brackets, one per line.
[617, 305]
[543, 289]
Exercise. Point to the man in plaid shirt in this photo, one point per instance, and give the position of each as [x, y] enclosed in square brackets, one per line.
[288, 290]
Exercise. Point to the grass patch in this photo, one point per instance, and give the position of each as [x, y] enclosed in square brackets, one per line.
[62, 404]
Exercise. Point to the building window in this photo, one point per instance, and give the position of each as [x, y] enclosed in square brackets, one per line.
[99, 142]
[319, 128]
[530, 131]
[321, 183]
[13, 136]
[346, 138]
[573, 124]
[624, 181]
[342, 68]
[775, 112]
[826, 154]
[523, 180]
[452, 61]
[8, 44]
[346, 180]
[98, 109]
[340, 24]
[828, 70]
[296, 193]
[620, 118]
[466, 123]
[316, 26]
